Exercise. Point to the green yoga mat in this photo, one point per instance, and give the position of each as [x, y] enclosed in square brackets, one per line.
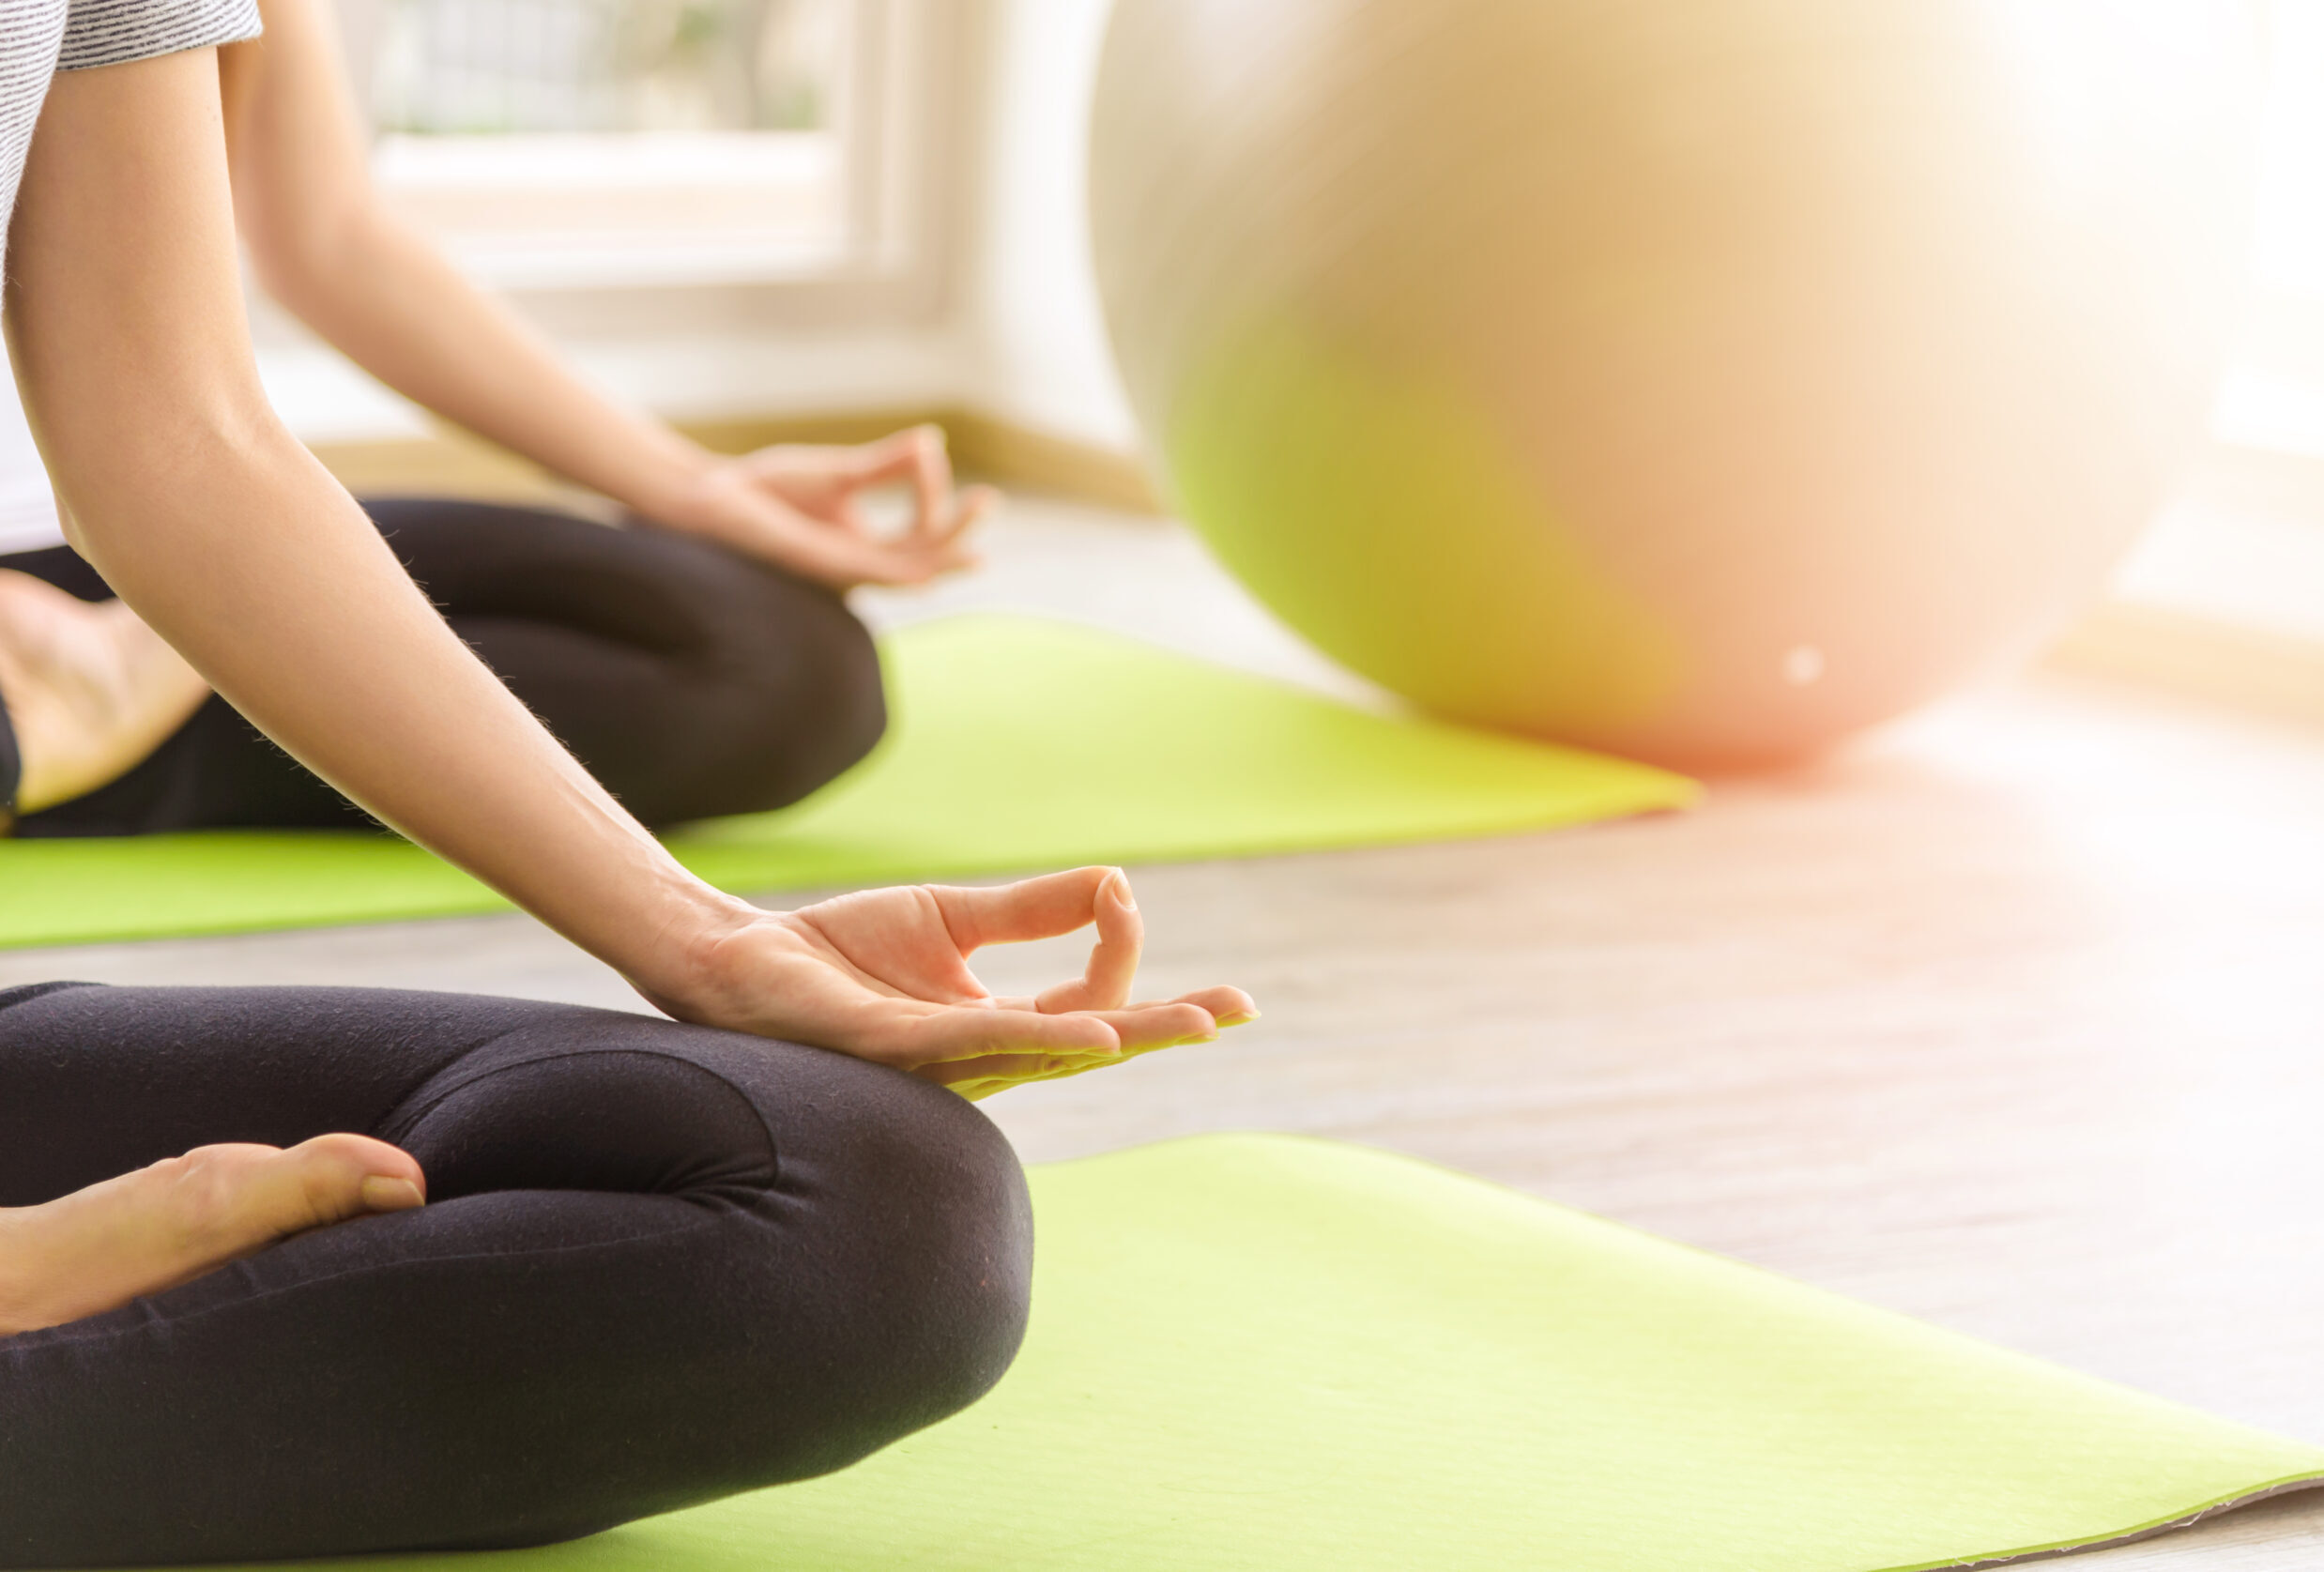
[1256, 1353]
[1018, 744]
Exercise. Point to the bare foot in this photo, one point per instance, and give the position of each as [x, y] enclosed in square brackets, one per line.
[98, 1248]
[90, 688]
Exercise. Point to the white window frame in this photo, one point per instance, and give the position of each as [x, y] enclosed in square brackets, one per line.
[886, 246]
[2244, 544]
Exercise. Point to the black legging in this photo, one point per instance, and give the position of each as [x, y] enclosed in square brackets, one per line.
[691, 681]
[659, 1264]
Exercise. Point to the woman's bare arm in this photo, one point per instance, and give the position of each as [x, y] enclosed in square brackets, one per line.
[323, 245]
[178, 482]
[328, 247]
[125, 320]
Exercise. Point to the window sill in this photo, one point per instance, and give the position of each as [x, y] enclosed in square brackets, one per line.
[2198, 658]
[564, 261]
[629, 211]
[2245, 548]
[2224, 602]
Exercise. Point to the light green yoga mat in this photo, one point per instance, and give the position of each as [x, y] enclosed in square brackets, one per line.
[1017, 746]
[1255, 1353]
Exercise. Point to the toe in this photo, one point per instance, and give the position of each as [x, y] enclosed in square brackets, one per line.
[233, 1199]
[98, 1248]
[328, 1180]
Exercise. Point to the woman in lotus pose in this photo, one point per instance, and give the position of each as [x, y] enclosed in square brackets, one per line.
[308, 1271]
[699, 661]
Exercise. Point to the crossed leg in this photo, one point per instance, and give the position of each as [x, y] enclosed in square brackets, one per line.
[691, 681]
[171, 1221]
[657, 1263]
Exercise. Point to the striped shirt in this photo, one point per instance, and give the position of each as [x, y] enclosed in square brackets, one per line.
[39, 38]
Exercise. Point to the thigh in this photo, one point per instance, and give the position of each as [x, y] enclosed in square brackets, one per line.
[646, 587]
[95, 1080]
[693, 681]
[659, 1264]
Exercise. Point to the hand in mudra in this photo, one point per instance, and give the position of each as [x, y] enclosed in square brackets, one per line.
[884, 975]
[801, 508]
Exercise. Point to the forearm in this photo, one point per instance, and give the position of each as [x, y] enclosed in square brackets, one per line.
[326, 246]
[390, 301]
[262, 572]
[124, 322]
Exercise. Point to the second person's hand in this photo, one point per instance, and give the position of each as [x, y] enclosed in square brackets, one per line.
[884, 975]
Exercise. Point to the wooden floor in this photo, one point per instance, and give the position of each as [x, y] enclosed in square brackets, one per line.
[2012, 1019]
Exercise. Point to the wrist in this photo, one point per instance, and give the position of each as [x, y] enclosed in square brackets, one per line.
[683, 488]
[685, 971]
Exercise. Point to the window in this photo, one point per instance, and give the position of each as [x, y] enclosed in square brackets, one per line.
[583, 143]
[2287, 347]
[2245, 546]
[453, 66]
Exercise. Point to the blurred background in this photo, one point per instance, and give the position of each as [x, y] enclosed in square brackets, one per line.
[834, 215]
[735, 209]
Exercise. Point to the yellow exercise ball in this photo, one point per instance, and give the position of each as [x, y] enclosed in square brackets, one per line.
[1699, 379]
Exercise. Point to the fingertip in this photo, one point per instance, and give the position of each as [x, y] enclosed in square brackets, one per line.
[1227, 1006]
[1078, 1032]
[1118, 886]
[1167, 1025]
[1067, 1007]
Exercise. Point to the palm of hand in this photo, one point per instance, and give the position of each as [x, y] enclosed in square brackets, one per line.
[884, 975]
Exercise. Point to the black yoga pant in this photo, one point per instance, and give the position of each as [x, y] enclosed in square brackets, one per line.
[691, 681]
[659, 1264]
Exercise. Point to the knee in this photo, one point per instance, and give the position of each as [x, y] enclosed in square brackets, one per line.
[940, 1189]
[847, 696]
[967, 1208]
[802, 701]
[923, 1244]
[860, 1265]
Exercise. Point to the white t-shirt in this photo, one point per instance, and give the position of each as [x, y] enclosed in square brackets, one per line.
[27, 507]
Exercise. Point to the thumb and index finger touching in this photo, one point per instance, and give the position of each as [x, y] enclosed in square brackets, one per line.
[1062, 903]
[1045, 907]
[920, 459]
